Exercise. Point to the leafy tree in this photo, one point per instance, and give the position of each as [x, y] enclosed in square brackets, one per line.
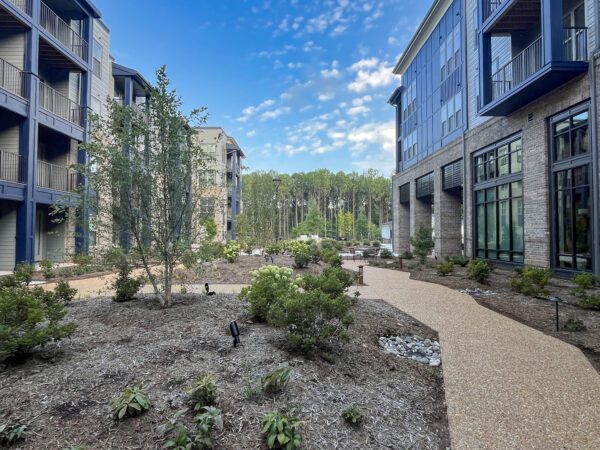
[422, 242]
[313, 224]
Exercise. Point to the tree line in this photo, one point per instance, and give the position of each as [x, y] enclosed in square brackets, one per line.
[337, 205]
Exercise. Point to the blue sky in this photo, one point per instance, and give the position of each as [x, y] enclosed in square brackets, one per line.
[300, 84]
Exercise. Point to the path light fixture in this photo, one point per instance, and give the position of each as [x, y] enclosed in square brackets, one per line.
[360, 275]
[556, 299]
[207, 289]
[235, 332]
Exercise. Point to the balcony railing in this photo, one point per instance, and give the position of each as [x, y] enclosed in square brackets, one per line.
[23, 5]
[62, 31]
[518, 69]
[489, 6]
[12, 167]
[575, 44]
[59, 178]
[11, 78]
[59, 104]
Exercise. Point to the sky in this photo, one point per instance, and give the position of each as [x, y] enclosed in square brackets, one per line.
[300, 84]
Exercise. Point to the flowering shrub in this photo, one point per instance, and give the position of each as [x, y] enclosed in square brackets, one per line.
[232, 251]
[269, 285]
[294, 247]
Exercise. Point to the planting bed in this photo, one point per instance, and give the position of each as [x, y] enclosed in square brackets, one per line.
[62, 392]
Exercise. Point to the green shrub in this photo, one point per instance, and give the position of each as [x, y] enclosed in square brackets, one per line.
[82, 259]
[24, 273]
[204, 392]
[366, 242]
[376, 244]
[269, 285]
[28, 318]
[206, 421]
[281, 431]
[445, 268]
[189, 259]
[276, 380]
[64, 292]
[531, 280]
[407, 255]
[301, 260]
[125, 286]
[11, 434]
[209, 251]
[574, 324]
[114, 257]
[353, 415]
[332, 258]
[8, 281]
[313, 319]
[584, 281]
[422, 242]
[460, 260]
[590, 302]
[132, 402]
[47, 268]
[231, 251]
[314, 253]
[385, 254]
[479, 271]
[333, 281]
[273, 248]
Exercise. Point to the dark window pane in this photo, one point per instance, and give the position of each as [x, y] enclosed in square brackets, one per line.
[580, 176]
[490, 194]
[518, 257]
[516, 162]
[503, 168]
[480, 196]
[480, 218]
[479, 173]
[503, 191]
[564, 214]
[583, 221]
[517, 224]
[563, 179]
[491, 225]
[580, 118]
[561, 126]
[562, 148]
[517, 188]
[580, 141]
[504, 224]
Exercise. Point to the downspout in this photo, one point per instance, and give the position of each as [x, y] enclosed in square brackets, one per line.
[465, 127]
[595, 166]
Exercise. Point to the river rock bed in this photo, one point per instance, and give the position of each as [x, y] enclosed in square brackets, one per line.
[424, 351]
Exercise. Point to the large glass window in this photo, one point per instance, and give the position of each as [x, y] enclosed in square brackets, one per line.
[450, 52]
[97, 60]
[572, 182]
[503, 160]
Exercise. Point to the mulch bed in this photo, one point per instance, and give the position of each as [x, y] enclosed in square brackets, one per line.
[222, 272]
[534, 312]
[62, 392]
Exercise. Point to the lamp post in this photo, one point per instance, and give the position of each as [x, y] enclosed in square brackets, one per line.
[277, 183]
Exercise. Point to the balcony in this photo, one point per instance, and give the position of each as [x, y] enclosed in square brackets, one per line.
[55, 177]
[12, 167]
[60, 105]
[11, 78]
[63, 32]
[529, 75]
[23, 5]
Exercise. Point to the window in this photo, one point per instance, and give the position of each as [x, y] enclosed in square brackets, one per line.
[572, 183]
[410, 145]
[409, 100]
[451, 114]
[96, 105]
[450, 53]
[97, 61]
[499, 202]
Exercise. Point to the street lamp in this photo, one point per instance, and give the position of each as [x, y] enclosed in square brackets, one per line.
[277, 183]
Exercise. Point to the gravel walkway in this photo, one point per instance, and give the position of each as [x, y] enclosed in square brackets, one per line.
[507, 385]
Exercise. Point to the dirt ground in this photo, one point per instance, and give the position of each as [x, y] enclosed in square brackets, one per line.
[62, 392]
[222, 272]
[534, 312]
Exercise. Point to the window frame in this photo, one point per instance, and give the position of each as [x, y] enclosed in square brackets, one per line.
[96, 44]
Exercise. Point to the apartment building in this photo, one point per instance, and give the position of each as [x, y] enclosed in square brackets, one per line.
[496, 133]
[223, 178]
[46, 64]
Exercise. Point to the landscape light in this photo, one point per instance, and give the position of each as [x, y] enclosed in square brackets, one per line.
[235, 332]
[556, 301]
[207, 289]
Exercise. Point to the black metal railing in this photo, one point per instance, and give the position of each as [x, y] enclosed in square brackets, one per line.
[59, 178]
[23, 5]
[61, 30]
[59, 104]
[11, 78]
[12, 167]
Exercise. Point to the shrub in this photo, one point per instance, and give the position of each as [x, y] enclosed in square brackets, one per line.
[83, 260]
[353, 415]
[8, 281]
[206, 421]
[376, 244]
[574, 324]
[385, 254]
[189, 259]
[28, 318]
[204, 392]
[314, 253]
[301, 260]
[125, 286]
[366, 242]
[479, 271]
[460, 260]
[231, 251]
[11, 434]
[64, 292]
[332, 258]
[445, 268]
[114, 257]
[24, 273]
[584, 281]
[269, 284]
[273, 248]
[276, 380]
[407, 255]
[313, 319]
[422, 242]
[332, 281]
[132, 402]
[590, 302]
[281, 431]
[47, 268]
[210, 251]
[531, 280]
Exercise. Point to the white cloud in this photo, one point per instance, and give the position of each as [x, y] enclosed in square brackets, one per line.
[356, 110]
[253, 110]
[326, 96]
[371, 74]
[367, 63]
[251, 133]
[295, 65]
[380, 135]
[275, 113]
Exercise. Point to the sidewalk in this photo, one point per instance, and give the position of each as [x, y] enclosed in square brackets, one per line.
[507, 385]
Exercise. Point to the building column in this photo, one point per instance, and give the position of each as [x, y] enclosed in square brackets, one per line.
[447, 219]
[402, 226]
[420, 210]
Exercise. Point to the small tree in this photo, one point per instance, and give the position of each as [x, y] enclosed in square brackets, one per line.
[422, 243]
